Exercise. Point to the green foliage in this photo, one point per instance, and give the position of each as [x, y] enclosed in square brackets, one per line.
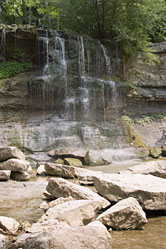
[127, 120]
[11, 68]
[133, 24]
[151, 118]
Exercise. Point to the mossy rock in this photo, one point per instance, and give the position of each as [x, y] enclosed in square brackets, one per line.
[59, 161]
[132, 136]
[155, 152]
[94, 158]
[73, 162]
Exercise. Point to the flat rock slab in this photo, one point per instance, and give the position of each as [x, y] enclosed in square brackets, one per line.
[5, 175]
[11, 152]
[92, 236]
[9, 225]
[150, 191]
[15, 165]
[70, 172]
[156, 168]
[126, 214]
[62, 188]
[67, 152]
[73, 213]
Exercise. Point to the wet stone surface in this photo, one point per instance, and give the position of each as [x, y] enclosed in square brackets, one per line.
[20, 200]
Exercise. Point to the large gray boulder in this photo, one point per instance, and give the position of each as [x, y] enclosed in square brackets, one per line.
[92, 236]
[11, 152]
[62, 188]
[95, 158]
[150, 191]
[15, 165]
[9, 225]
[70, 172]
[60, 170]
[73, 213]
[5, 175]
[68, 152]
[156, 168]
[126, 214]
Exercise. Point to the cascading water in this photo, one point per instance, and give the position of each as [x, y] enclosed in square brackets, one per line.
[73, 95]
[83, 79]
[3, 42]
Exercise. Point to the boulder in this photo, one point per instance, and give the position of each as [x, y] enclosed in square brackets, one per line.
[15, 165]
[59, 161]
[41, 170]
[92, 236]
[46, 205]
[70, 172]
[73, 213]
[62, 188]
[68, 152]
[9, 225]
[20, 241]
[5, 175]
[73, 162]
[23, 175]
[11, 152]
[126, 214]
[150, 191]
[60, 170]
[94, 158]
[156, 168]
[155, 152]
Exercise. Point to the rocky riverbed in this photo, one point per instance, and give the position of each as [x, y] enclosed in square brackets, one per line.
[82, 214]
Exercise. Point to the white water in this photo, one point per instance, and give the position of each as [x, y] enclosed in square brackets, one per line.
[84, 88]
[3, 41]
[107, 59]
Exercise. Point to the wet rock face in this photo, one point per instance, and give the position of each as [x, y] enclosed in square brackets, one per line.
[71, 82]
[148, 79]
[94, 235]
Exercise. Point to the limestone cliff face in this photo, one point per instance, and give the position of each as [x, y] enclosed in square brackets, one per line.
[149, 81]
[69, 99]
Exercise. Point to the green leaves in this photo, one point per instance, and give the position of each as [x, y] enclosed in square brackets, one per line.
[11, 68]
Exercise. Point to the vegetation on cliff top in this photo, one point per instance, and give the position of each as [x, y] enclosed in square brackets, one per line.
[132, 24]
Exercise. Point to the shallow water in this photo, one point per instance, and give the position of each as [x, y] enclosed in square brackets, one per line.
[20, 200]
[153, 236]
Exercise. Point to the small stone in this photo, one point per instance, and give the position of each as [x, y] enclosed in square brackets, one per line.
[5, 175]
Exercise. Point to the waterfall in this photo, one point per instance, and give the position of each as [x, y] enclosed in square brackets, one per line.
[81, 57]
[61, 69]
[60, 53]
[84, 83]
[3, 41]
[107, 59]
[109, 72]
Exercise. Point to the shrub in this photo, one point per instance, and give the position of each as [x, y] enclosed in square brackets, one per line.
[11, 68]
